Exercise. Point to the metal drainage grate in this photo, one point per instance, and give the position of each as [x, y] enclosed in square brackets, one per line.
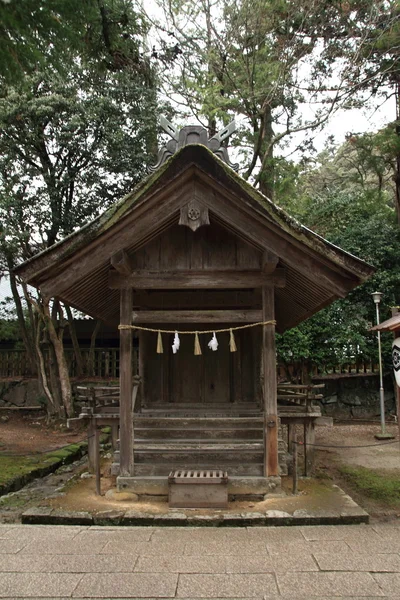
[200, 476]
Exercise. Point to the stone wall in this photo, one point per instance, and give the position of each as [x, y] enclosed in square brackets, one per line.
[19, 393]
[355, 395]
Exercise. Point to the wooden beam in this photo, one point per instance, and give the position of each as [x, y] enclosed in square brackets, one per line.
[122, 262]
[271, 466]
[197, 316]
[172, 280]
[125, 379]
[190, 299]
[269, 262]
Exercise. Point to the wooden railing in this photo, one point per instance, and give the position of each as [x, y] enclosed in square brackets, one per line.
[105, 364]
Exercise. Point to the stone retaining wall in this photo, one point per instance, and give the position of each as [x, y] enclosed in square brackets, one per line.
[355, 395]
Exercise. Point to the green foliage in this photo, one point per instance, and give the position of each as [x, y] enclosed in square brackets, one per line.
[68, 150]
[268, 62]
[362, 223]
[53, 34]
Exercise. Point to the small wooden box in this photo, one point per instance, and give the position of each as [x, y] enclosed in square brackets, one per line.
[198, 489]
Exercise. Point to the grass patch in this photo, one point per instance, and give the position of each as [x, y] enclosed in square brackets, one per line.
[384, 488]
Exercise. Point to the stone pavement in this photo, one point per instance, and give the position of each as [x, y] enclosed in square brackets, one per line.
[317, 562]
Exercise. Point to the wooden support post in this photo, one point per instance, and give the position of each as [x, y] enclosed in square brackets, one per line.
[97, 459]
[125, 378]
[309, 441]
[271, 466]
[291, 429]
[91, 446]
[114, 436]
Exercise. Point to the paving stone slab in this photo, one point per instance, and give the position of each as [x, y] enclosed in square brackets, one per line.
[139, 585]
[339, 532]
[32, 532]
[136, 534]
[328, 584]
[11, 546]
[296, 547]
[144, 548]
[17, 563]
[64, 546]
[226, 586]
[358, 562]
[374, 546]
[181, 564]
[389, 583]
[43, 585]
[225, 546]
[276, 534]
[94, 563]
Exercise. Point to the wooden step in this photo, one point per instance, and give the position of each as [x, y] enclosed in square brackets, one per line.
[162, 422]
[199, 445]
[175, 433]
[196, 457]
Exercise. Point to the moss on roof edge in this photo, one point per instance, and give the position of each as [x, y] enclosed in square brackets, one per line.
[290, 225]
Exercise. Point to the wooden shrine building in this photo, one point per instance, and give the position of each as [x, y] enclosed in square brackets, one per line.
[195, 247]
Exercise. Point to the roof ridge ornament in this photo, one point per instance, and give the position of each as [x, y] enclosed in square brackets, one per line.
[194, 134]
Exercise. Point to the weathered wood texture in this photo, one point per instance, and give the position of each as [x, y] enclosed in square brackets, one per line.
[212, 247]
[121, 262]
[172, 280]
[270, 385]
[126, 409]
[197, 316]
[212, 377]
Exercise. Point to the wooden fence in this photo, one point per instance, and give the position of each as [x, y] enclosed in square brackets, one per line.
[105, 364]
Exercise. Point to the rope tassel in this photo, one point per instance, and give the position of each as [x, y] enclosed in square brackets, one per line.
[160, 348]
[232, 343]
[197, 347]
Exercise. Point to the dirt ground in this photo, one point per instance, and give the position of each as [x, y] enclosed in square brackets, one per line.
[356, 446]
[27, 433]
[370, 453]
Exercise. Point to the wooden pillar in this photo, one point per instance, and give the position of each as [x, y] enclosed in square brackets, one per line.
[91, 445]
[309, 448]
[125, 382]
[271, 466]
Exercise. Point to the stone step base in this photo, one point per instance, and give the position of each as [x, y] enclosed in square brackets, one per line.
[238, 486]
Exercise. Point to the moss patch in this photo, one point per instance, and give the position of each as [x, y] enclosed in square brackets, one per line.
[17, 471]
[382, 487]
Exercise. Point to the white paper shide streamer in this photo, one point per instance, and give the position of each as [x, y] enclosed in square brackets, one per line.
[176, 344]
[213, 343]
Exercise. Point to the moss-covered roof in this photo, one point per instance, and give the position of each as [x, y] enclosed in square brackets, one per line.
[339, 268]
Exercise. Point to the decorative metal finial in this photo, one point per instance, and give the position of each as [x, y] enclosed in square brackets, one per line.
[194, 134]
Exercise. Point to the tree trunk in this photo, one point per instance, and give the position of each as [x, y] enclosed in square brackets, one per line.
[397, 173]
[75, 343]
[51, 404]
[25, 335]
[63, 373]
[267, 177]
